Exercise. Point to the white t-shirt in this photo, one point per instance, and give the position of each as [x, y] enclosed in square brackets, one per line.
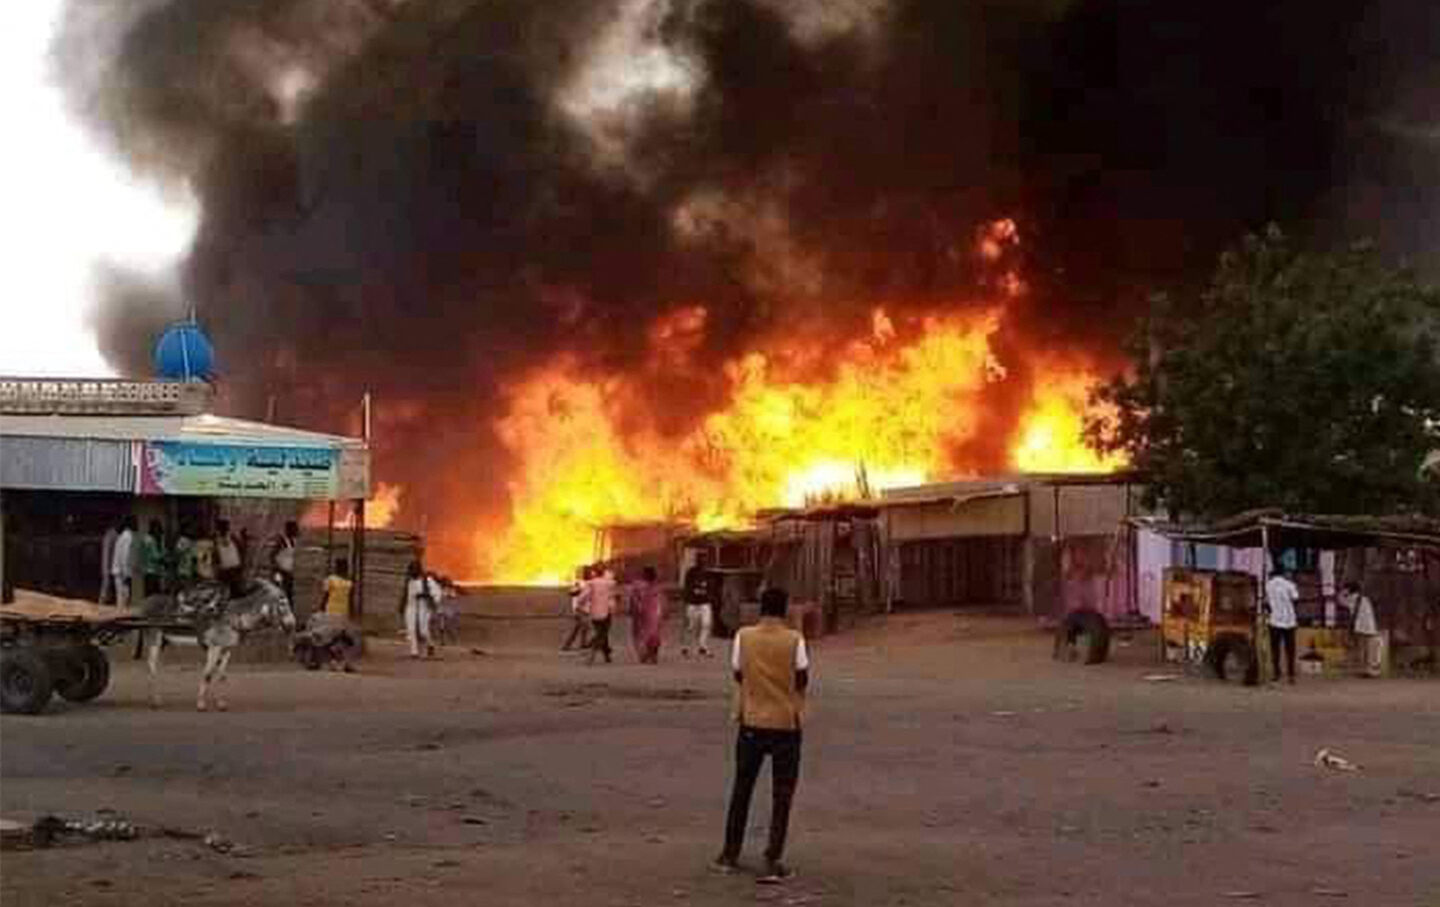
[599, 597]
[285, 555]
[1281, 593]
[802, 657]
[228, 553]
[120, 554]
[1364, 616]
[414, 587]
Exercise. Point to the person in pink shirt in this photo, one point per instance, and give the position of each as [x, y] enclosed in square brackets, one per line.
[647, 611]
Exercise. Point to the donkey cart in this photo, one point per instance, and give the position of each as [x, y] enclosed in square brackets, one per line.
[53, 646]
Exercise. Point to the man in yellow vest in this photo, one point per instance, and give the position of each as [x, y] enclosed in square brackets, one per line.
[772, 669]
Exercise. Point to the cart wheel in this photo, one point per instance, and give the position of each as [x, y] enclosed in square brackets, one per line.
[1232, 658]
[25, 681]
[1083, 636]
[308, 655]
[87, 674]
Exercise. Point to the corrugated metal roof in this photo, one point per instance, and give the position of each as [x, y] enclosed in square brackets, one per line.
[197, 428]
[1010, 484]
[943, 491]
[75, 464]
[1323, 531]
[956, 501]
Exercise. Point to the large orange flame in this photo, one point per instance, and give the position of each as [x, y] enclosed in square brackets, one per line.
[380, 509]
[808, 417]
[889, 413]
[1051, 437]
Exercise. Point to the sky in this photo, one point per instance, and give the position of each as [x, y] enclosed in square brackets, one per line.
[66, 208]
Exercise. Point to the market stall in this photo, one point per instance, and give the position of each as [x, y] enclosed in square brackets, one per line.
[78, 456]
[1215, 616]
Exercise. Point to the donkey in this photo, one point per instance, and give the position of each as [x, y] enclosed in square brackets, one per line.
[219, 623]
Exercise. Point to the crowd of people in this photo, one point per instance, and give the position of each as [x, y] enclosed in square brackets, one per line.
[137, 562]
[597, 597]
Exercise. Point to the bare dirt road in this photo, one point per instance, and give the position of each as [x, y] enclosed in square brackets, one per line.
[947, 761]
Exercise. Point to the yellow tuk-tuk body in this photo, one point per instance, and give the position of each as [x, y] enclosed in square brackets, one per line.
[1200, 607]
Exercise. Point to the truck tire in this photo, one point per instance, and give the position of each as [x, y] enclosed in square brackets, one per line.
[1083, 636]
[25, 681]
[86, 673]
[1232, 658]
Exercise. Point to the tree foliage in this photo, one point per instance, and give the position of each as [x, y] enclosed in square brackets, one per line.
[1297, 380]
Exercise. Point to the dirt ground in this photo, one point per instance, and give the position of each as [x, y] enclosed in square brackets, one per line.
[947, 760]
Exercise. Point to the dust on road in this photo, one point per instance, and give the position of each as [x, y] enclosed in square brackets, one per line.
[948, 760]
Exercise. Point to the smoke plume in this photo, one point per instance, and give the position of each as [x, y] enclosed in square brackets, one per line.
[423, 197]
[130, 310]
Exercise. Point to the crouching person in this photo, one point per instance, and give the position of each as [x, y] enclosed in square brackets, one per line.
[329, 637]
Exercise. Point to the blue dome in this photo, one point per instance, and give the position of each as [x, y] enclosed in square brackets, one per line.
[184, 353]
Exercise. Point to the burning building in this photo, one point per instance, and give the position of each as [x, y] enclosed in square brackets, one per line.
[639, 260]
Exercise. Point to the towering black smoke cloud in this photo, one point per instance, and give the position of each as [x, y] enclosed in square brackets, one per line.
[424, 197]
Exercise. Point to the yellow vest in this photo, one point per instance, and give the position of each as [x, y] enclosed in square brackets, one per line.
[768, 697]
[337, 595]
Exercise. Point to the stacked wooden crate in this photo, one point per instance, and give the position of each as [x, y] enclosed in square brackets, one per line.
[388, 553]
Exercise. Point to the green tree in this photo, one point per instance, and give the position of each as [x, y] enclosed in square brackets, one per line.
[1296, 380]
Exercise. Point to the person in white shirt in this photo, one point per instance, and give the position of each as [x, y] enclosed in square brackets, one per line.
[122, 564]
[107, 559]
[579, 617]
[422, 597]
[229, 559]
[599, 599]
[699, 614]
[1367, 632]
[1280, 596]
[282, 557]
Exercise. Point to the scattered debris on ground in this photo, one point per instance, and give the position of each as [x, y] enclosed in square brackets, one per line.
[13, 834]
[49, 830]
[588, 692]
[106, 825]
[1160, 678]
[1327, 758]
[218, 842]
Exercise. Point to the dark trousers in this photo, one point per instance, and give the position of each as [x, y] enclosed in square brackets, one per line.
[601, 643]
[234, 579]
[1282, 636]
[287, 585]
[579, 631]
[751, 748]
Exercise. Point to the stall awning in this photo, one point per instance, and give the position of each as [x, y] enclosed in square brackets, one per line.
[199, 454]
[1324, 532]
